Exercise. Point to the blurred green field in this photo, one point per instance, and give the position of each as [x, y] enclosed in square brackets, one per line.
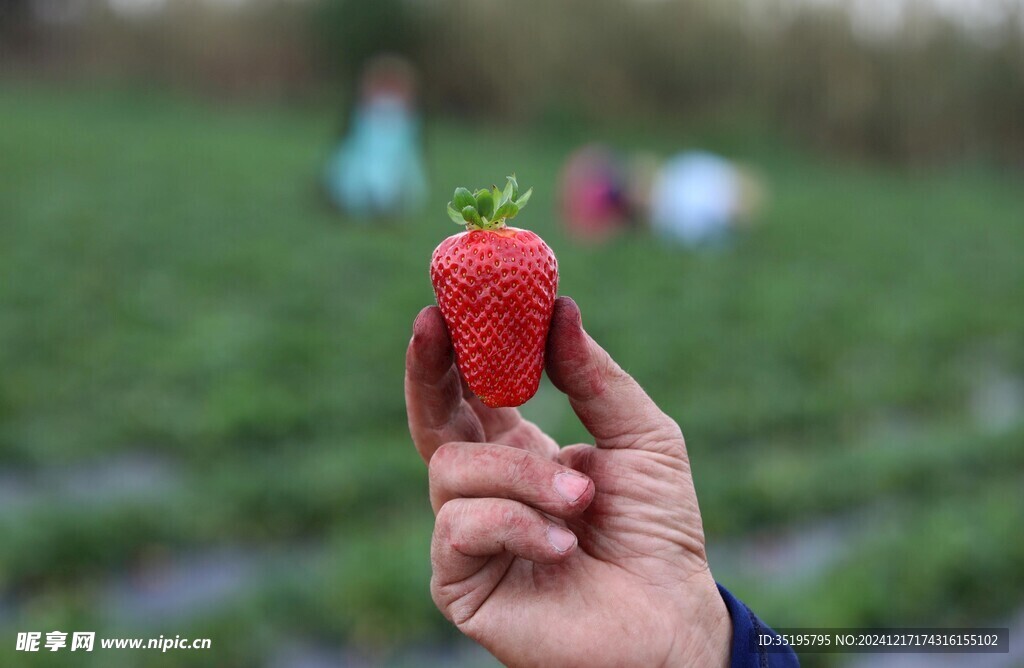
[173, 287]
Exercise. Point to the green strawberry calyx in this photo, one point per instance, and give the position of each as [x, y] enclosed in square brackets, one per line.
[488, 209]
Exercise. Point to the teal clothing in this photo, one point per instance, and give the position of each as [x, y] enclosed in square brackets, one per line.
[377, 170]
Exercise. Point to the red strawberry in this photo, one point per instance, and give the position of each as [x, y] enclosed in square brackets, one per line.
[496, 288]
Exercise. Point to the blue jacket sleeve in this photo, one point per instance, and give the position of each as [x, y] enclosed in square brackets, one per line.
[745, 625]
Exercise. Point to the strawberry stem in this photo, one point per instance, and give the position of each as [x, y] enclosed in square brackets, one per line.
[487, 209]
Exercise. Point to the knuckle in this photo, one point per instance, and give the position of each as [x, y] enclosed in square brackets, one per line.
[461, 523]
[455, 602]
[675, 450]
[438, 591]
[441, 461]
[447, 519]
[518, 468]
[662, 434]
[453, 599]
[460, 612]
[668, 430]
[661, 428]
[458, 533]
[512, 519]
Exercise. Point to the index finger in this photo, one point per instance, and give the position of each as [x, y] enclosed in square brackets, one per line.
[433, 389]
[610, 404]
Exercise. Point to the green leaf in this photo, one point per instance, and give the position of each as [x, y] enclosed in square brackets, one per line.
[507, 194]
[484, 203]
[471, 216]
[521, 202]
[455, 215]
[508, 211]
[463, 198]
[512, 189]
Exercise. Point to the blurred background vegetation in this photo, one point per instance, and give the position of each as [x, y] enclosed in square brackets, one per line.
[914, 81]
[201, 420]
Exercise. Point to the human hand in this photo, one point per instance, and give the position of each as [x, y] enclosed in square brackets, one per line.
[579, 556]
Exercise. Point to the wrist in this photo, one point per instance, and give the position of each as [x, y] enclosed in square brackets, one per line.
[703, 629]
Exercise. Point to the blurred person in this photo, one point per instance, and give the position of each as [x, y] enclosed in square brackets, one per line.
[700, 200]
[577, 556]
[593, 194]
[377, 168]
[695, 198]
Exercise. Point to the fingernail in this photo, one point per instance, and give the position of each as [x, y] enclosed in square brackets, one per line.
[571, 486]
[561, 539]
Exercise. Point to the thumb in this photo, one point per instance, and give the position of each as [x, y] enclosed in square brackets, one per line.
[610, 404]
